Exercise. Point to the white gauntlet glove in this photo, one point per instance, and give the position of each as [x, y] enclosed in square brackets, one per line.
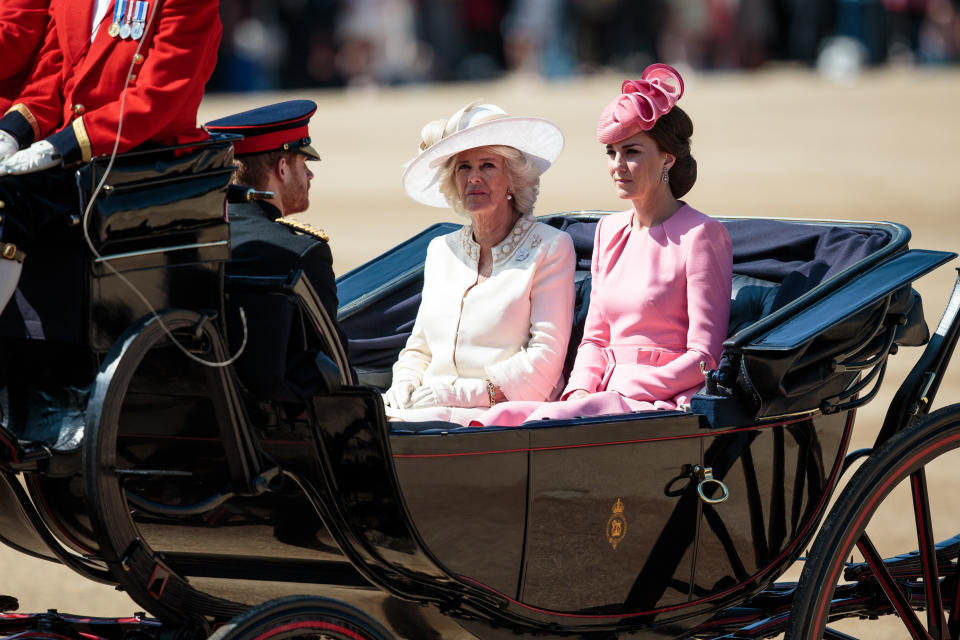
[398, 395]
[462, 393]
[37, 157]
[8, 145]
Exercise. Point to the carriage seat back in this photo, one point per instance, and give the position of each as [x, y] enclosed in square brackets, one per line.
[160, 222]
[750, 299]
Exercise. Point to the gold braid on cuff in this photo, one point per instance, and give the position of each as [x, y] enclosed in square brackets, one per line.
[79, 130]
[24, 110]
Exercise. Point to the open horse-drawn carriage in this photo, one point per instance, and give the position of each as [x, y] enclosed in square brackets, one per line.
[140, 452]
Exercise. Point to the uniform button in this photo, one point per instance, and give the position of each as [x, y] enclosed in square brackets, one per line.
[138, 59]
[78, 109]
[133, 77]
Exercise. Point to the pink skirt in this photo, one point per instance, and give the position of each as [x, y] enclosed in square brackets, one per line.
[624, 371]
[511, 414]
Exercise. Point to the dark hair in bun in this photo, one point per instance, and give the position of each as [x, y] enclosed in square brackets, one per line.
[672, 134]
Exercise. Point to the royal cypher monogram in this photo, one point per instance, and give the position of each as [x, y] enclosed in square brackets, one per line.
[617, 525]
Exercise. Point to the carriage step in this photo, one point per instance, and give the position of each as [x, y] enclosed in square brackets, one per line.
[153, 472]
[9, 446]
[17, 455]
[907, 565]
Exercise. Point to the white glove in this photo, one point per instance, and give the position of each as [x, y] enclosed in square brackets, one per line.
[8, 145]
[398, 395]
[462, 393]
[37, 157]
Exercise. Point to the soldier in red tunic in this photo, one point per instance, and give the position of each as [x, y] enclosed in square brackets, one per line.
[110, 76]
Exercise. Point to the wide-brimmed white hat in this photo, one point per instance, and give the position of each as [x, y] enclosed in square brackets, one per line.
[477, 125]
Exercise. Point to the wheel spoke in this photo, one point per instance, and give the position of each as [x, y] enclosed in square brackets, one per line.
[896, 597]
[954, 621]
[833, 634]
[936, 622]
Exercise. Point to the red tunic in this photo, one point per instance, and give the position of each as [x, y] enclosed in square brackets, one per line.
[22, 23]
[74, 94]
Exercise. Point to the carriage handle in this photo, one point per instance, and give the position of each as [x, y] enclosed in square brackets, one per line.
[705, 474]
[704, 478]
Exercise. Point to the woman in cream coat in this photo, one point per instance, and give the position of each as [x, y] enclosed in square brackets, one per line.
[497, 306]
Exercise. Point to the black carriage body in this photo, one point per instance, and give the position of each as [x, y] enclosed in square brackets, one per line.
[563, 527]
[161, 224]
[159, 231]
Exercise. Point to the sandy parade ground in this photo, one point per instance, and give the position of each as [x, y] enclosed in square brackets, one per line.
[779, 143]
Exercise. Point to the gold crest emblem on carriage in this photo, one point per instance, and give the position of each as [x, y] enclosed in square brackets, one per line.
[616, 525]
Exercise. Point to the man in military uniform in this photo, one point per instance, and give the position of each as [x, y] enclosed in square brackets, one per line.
[109, 76]
[272, 157]
[81, 88]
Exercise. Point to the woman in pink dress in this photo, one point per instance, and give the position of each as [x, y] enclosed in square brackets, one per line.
[660, 299]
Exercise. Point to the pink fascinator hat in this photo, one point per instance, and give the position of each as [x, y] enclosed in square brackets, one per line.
[640, 103]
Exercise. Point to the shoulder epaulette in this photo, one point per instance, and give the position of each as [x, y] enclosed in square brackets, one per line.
[303, 227]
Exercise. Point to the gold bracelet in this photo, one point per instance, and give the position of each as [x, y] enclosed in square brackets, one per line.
[491, 391]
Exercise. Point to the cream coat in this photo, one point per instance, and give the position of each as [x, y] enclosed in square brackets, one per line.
[513, 328]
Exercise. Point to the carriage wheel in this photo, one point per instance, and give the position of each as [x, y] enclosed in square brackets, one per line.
[140, 571]
[302, 617]
[924, 580]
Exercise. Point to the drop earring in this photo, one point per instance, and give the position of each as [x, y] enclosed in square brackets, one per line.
[665, 178]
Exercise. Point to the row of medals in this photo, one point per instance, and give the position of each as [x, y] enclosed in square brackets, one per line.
[132, 27]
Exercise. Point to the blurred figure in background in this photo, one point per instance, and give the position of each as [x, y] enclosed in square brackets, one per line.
[281, 44]
[799, 27]
[940, 34]
[538, 39]
[311, 48]
[378, 43]
[905, 19]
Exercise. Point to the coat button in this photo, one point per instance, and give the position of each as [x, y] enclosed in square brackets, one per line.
[138, 59]
[78, 109]
[133, 77]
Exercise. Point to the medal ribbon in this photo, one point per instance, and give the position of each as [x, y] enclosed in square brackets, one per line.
[129, 17]
[141, 13]
[118, 11]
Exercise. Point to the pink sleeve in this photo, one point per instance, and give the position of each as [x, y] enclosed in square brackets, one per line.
[709, 268]
[591, 362]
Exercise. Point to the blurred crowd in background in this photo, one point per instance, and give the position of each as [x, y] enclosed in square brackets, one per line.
[289, 44]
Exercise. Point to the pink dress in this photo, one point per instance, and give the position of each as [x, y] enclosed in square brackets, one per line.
[659, 307]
